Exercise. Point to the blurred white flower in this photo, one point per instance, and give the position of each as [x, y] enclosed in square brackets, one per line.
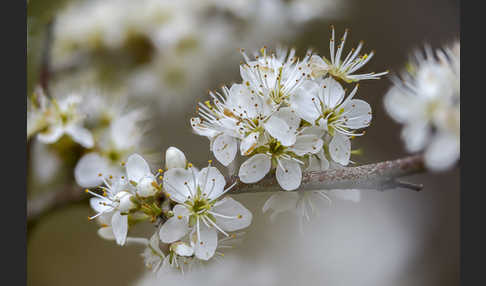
[343, 69]
[62, 116]
[121, 138]
[427, 101]
[304, 204]
[199, 212]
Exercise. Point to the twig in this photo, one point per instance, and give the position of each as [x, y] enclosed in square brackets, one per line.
[378, 176]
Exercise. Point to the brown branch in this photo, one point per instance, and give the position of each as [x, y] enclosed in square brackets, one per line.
[377, 176]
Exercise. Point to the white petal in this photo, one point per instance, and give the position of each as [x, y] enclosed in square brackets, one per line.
[280, 130]
[304, 105]
[323, 159]
[211, 182]
[319, 66]
[340, 149]
[81, 135]
[97, 204]
[205, 248]
[416, 134]
[332, 92]
[249, 143]
[443, 152]
[230, 207]
[88, 168]
[254, 169]
[119, 223]
[224, 149]
[137, 168]
[202, 130]
[242, 103]
[357, 114]
[289, 116]
[106, 233]
[124, 131]
[51, 135]
[347, 194]
[175, 227]
[400, 106]
[306, 144]
[179, 183]
[290, 176]
[174, 158]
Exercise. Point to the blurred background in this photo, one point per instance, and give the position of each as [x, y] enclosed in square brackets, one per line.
[166, 57]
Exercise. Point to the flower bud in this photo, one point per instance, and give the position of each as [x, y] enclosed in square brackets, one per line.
[174, 158]
[146, 187]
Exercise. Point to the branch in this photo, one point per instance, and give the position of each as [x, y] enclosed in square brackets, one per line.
[377, 176]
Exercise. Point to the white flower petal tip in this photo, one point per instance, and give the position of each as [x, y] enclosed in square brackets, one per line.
[289, 175]
[174, 158]
[136, 167]
[119, 223]
[205, 245]
[255, 168]
[88, 168]
[231, 215]
[224, 149]
[340, 149]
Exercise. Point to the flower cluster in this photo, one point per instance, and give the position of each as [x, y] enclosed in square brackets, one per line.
[427, 101]
[287, 114]
[87, 128]
[188, 206]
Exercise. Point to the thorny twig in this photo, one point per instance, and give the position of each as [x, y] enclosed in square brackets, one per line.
[378, 176]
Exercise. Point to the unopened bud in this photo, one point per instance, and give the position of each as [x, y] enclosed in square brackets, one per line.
[146, 188]
[174, 158]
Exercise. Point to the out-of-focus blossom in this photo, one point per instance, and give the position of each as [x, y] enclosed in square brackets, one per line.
[427, 101]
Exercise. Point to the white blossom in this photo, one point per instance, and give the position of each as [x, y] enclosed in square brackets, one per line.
[343, 69]
[427, 101]
[198, 211]
[61, 117]
[322, 103]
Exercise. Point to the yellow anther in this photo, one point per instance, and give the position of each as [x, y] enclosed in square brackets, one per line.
[104, 225]
[161, 177]
[240, 216]
[179, 217]
[111, 177]
[189, 165]
[86, 191]
[123, 163]
[161, 171]
[99, 174]
[210, 161]
[105, 194]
